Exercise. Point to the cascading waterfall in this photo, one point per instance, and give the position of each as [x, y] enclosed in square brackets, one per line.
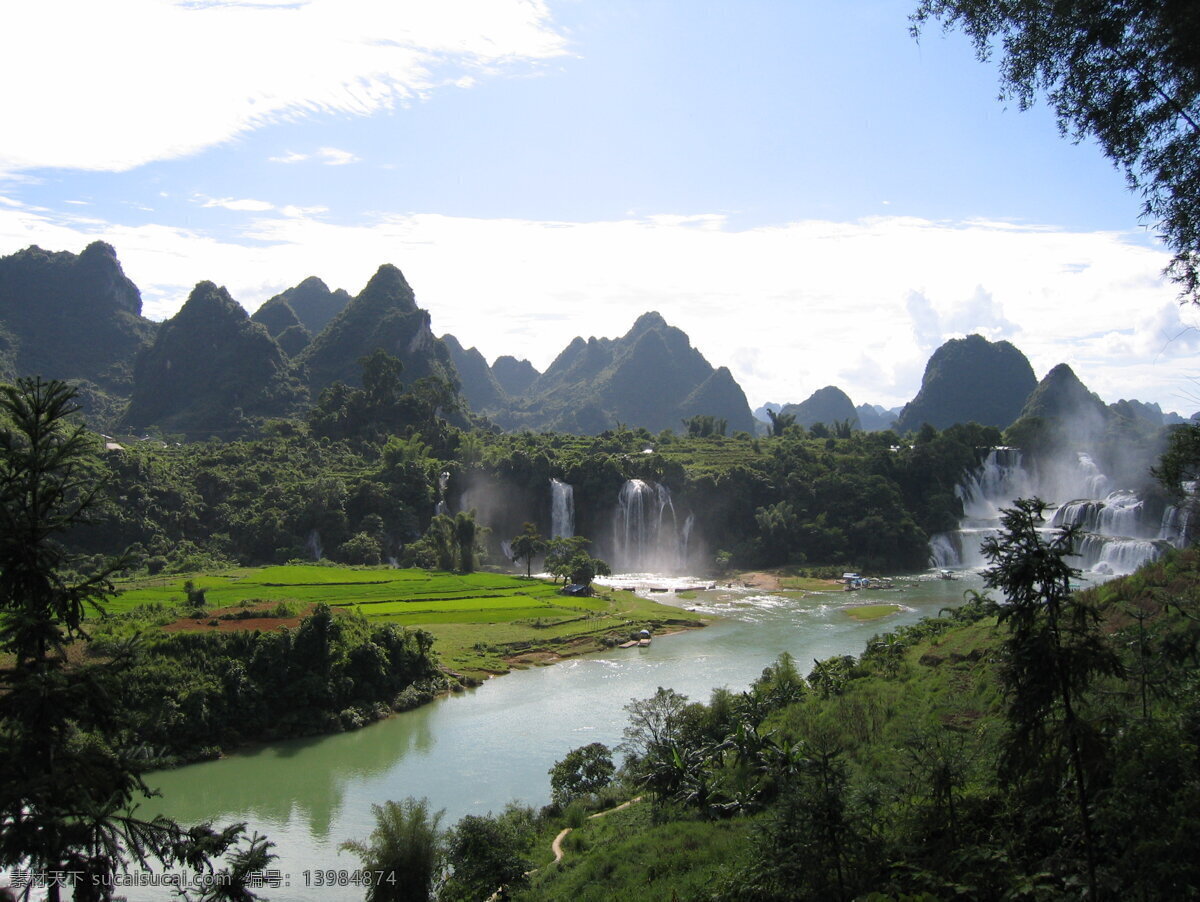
[998, 480]
[1117, 533]
[314, 545]
[647, 537]
[1095, 482]
[562, 509]
[1118, 514]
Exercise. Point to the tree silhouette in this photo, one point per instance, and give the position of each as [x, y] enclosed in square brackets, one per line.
[68, 773]
[1053, 652]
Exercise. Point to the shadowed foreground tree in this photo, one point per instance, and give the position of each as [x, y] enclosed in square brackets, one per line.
[1053, 653]
[780, 421]
[1124, 72]
[68, 772]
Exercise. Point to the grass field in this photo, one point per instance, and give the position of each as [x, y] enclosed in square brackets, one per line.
[480, 621]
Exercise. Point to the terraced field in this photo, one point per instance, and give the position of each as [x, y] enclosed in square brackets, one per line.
[479, 620]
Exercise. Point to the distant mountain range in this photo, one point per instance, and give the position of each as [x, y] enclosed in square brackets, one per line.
[651, 377]
[213, 370]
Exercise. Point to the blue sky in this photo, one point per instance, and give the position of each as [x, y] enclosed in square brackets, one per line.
[815, 197]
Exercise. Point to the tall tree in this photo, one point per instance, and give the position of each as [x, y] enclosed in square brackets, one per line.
[780, 421]
[527, 546]
[68, 775]
[1124, 72]
[490, 854]
[583, 770]
[1053, 652]
[465, 531]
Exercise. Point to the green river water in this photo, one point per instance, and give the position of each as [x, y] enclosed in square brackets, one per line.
[475, 751]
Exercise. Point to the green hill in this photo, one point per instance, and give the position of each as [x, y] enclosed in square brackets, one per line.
[311, 304]
[75, 317]
[476, 381]
[211, 371]
[384, 315]
[970, 380]
[827, 405]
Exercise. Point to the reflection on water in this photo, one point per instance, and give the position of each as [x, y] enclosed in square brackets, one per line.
[302, 779]
[475, 751]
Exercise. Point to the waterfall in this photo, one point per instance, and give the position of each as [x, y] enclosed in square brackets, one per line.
[1095, 482]
[1115, 556]
[1118, 514]
[1117, 534]
[999, 479]
[562, 509]
[314, 545]
[443, 483]
[945, 550]
[646, 534]
[1174, 526]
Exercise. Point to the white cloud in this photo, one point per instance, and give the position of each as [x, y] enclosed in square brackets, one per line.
[290, 157]
[788, 308]
[153, 79]
[978, 314]
[926, 324]
[330, 156]
[238, 204]
[294, 212]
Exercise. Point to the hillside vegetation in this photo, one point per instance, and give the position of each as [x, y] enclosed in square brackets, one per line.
[860, 501]
[938, 764]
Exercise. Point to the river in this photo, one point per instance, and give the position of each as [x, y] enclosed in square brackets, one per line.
[475, 751]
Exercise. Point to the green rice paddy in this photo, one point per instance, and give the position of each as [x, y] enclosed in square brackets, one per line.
[477, 619]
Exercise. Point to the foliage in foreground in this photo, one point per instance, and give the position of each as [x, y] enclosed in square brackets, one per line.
[69, 766]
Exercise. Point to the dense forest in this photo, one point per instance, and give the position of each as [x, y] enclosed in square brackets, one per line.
[360, 479]
[860, 499]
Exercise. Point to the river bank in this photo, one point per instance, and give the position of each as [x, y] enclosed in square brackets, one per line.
[475, 750]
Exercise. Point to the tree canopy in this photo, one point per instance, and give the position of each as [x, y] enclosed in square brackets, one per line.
[1123, 72]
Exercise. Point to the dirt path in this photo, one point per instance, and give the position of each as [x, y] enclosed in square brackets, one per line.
[556, 846]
